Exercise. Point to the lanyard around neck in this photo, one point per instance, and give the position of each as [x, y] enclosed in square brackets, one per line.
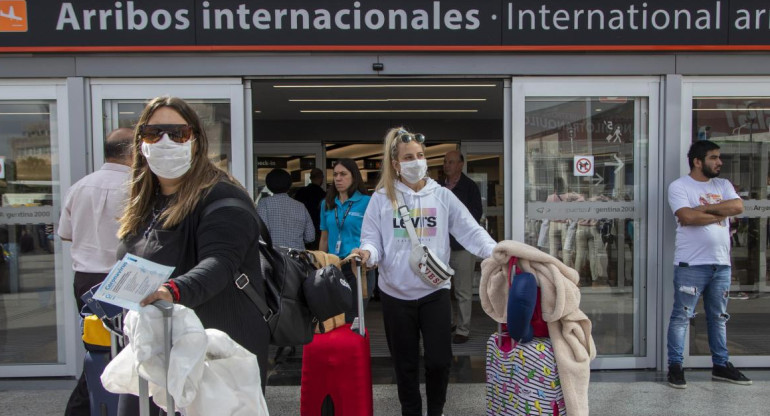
[344, 216]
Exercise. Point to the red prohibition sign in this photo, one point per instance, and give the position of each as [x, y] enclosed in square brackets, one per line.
[583, 165]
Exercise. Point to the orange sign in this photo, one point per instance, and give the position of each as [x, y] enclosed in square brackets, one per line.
[13, 16]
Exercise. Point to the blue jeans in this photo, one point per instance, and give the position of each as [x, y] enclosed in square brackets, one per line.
[713, 282]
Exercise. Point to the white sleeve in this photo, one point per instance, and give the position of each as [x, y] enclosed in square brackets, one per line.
[371, 233]
[465, 229]
[65, 220]
[728, 191]
[677, 197]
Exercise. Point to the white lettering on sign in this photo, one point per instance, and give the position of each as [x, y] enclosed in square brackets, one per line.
[580, 210]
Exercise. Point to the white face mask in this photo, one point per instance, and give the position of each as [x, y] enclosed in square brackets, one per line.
[168, 159]
[414, 170]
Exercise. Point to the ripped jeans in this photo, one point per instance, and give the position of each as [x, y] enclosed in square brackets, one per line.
[713, 282]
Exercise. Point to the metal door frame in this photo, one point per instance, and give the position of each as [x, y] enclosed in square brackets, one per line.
[649, 87]
[711, 87]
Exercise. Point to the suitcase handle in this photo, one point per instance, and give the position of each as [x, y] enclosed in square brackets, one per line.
[167, 308]
[357, 270]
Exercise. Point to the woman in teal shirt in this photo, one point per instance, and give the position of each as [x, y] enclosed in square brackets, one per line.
[342, 213]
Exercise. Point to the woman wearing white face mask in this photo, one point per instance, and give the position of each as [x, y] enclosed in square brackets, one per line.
[166, 221]
[411, 307]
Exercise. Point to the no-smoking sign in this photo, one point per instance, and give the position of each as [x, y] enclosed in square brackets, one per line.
[583, 166]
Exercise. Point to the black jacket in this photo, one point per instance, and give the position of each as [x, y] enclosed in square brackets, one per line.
[206, 252]
[468, 192]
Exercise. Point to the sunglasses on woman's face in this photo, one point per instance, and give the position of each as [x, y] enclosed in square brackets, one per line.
[152, 133]
[407, 137]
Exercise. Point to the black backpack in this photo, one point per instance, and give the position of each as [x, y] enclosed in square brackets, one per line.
[283, 307]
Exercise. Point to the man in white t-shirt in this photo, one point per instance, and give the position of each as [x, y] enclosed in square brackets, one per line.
[702, 204]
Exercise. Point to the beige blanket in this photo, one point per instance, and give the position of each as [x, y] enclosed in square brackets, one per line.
[568, 327]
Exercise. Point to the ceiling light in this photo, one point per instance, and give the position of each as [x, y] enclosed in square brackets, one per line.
[388, 86]
[23, 114]
[731, 109]
[378, 100]
[389, 111]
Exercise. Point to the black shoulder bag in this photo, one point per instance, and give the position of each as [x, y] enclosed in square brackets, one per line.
[283, 307]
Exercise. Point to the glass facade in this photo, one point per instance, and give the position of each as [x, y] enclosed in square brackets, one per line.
[741, 127]
[585, 192]
[29, 190]
[589, 174]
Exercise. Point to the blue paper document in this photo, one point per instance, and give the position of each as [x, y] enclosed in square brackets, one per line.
[131, 280]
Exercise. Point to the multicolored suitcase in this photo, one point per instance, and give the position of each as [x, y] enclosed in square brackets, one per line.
[337, 371]
[522, 378]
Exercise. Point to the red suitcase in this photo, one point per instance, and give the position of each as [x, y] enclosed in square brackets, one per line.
[337, 370]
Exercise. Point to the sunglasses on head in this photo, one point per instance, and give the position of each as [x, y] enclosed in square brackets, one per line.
[152, 133]
[407, 137]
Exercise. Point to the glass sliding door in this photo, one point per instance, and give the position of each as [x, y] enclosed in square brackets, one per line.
[585, 192]
[735, 114]
[33, 324]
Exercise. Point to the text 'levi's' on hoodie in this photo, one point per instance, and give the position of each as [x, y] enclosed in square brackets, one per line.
[435, 212]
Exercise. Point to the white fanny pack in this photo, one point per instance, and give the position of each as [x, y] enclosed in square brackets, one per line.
[422, 260]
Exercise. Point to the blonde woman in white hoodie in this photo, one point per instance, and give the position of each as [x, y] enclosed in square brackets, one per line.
[411, 307]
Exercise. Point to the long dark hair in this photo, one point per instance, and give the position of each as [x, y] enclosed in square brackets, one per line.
[357, 184]
[198, 180]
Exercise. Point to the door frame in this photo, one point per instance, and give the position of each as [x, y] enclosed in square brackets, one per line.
[648, 87]
[187, 88]
[66, 322]
[713, 87]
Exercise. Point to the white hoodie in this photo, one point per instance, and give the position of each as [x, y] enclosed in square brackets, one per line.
[436, 212]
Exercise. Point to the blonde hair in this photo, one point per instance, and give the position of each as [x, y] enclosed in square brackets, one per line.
[388, 174]
[144, 184]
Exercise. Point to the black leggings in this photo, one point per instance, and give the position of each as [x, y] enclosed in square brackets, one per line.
[404, 321]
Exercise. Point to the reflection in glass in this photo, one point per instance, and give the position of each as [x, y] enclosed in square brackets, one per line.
[586, 192]
[214, 115]
[28, 173]
[741, 127]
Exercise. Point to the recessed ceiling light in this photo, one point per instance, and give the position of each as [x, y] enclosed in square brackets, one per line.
[387, 86]
[380, 100]
[23, 114]
[389, 111]
[731, 109]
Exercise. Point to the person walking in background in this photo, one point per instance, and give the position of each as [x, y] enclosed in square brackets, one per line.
[165, 221]
[702, 204]
[342, 213]
[412, 307]
[89, 220]
[287, 220]
[311, 196]
[460, 259]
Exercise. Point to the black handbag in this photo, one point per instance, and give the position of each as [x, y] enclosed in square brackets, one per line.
[283, 307]
[328, 293]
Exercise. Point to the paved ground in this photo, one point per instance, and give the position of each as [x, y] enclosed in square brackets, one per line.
[632, 393]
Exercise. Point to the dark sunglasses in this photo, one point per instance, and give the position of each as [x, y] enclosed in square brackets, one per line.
[407, 137]
[152, 133]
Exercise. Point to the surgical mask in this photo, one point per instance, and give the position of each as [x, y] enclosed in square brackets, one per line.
[414, 170]
[168, 159]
